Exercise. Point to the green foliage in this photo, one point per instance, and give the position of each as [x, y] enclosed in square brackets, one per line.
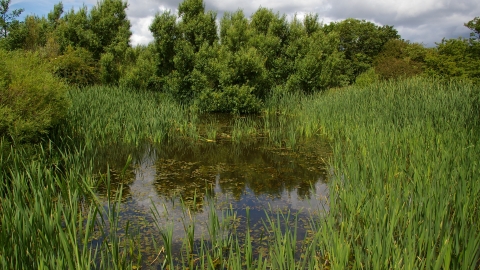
[318, 68]
[196, 25]
[165, 33]
[105, 28]
[102, 115]
[31, 34]
[454, 59]
[139, 71]
[474, 25]
[7, 17]
[111, 27]
[360, 41]
[235, 98]
[367, 78]
[32, 100]
[101, 34]
[234, 30]
[76, 67]
[400, 59]
[404, 189]
[254, 56]
[457, 58]
[109, 72]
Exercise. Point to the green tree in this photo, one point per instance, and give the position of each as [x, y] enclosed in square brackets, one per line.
[400, 59]
[55, 15]
[111, 29]
[139, 70]
[177, 44]
[454, 59]
[165, 33]
[32, 100]
[196, 25]
[76, 67]
[474, 25]
[234, 31]
[318, 67]
[105, 28]
[361, 41]
[7, 17]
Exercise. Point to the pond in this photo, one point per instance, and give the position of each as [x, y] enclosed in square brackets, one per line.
[180, 181]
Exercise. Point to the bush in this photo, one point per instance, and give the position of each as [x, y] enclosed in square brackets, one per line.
[235, 99]
[108, 69]
[367, 78]
[139, 70]
[76, 67]
[32, 100]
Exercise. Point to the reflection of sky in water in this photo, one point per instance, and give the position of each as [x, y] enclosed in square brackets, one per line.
[143, 194]
[147, 192]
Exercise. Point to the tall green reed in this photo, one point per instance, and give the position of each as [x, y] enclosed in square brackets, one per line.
[405, 189]
[49, 212]
[103, 115]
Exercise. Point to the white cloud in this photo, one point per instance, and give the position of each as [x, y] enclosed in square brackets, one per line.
[140, 29]
[425, 21]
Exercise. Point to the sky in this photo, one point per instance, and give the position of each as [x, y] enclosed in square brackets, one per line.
[426, 22]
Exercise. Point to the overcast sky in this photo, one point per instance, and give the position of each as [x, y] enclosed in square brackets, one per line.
[426, 21]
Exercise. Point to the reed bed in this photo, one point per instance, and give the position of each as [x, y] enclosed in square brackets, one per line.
[405, 191]
[404, 185]
[105, 115]
[49, 212]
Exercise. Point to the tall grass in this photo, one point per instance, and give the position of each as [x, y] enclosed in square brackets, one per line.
[49, 214]
[405, 192]
[104, 115]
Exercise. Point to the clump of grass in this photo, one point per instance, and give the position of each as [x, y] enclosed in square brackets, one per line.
[49, 212]
[405, 190]
[244, 129]
[105, 115]
[211, 130]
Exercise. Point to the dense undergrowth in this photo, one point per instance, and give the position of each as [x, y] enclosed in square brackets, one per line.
[404, 190]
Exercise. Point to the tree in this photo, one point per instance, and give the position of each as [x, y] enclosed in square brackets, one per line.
[55, 14]
[400, 59]
[474, 25]
[105, 28]
[457, 58]
[361, 41]
[111, 27]
[234, 30]
[165, 33]
[7, 18]
[196, 25]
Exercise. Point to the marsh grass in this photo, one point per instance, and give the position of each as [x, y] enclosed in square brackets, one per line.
[404, 188]
[49, 213]
[105, 115]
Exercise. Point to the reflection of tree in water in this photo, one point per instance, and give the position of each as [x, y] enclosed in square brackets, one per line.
[112, 162]
[193, 171]
[179, 178]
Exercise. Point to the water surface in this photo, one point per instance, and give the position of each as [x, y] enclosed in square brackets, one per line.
[253, 174]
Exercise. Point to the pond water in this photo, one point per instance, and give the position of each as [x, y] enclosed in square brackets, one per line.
[179, 181]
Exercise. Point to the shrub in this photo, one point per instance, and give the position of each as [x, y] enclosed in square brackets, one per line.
[367, 78]
[235, 99]
[108, 69]
[32, 100]
[76, 67]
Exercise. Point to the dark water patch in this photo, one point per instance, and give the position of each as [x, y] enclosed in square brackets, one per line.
[182, 179]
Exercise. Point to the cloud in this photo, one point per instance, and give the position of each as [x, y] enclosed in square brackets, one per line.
[140, 29]
[425, 21]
